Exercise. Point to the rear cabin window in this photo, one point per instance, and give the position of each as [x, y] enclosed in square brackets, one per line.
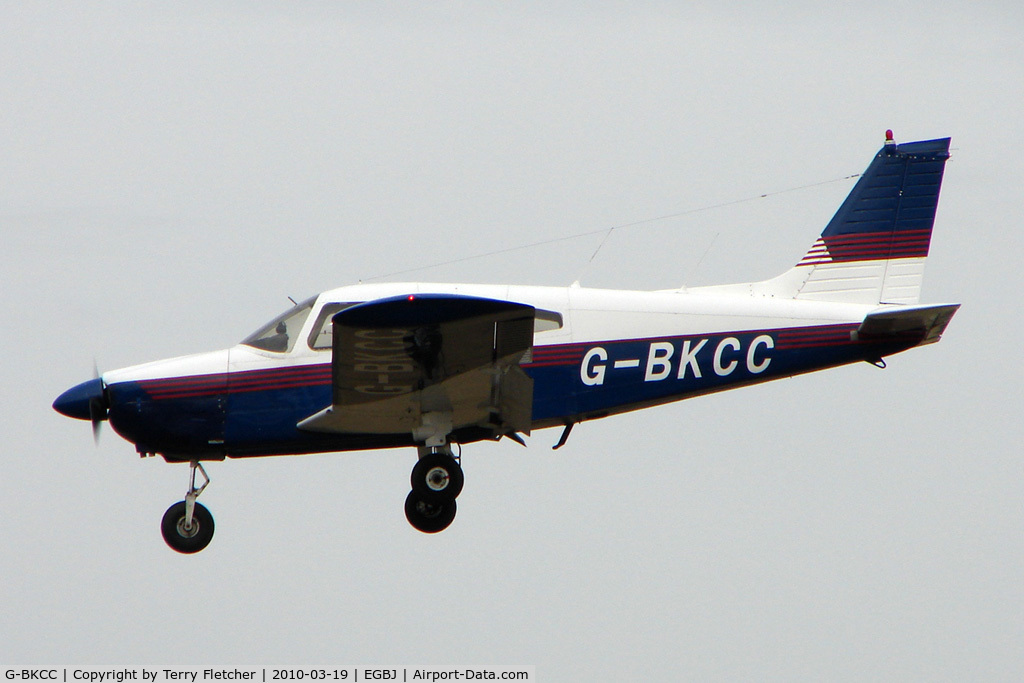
[545, 321]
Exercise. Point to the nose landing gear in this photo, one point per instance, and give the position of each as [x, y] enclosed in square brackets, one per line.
[187, 526]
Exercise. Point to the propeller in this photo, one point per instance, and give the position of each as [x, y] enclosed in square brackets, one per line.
[99, 406]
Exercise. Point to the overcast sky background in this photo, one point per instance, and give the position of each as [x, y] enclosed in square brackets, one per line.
[170, 173]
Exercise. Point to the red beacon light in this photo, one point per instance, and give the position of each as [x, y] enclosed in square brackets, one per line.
[889, 140]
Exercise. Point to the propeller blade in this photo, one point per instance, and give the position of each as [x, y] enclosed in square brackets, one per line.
[97, 427]
[98, 406]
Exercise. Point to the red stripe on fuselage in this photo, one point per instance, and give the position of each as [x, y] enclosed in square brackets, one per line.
[198, 386]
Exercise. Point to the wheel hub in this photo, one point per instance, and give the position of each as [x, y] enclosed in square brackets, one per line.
[188, 531]
[428, 510]
[438, 478]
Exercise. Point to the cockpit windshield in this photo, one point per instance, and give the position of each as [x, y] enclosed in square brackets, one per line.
[279, 334]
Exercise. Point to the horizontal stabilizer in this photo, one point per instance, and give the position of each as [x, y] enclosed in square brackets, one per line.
[924, 324]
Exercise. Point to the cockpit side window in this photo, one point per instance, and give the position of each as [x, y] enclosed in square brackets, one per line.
[279, 334]
[321, 338]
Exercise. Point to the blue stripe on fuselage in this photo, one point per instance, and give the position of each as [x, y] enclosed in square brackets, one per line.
[256, 412]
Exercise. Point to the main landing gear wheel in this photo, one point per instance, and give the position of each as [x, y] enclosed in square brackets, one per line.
[183, 537]
[429, 514]
[437, 481]
[437, 476]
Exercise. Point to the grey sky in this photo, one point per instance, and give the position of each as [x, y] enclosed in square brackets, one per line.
[169, 174]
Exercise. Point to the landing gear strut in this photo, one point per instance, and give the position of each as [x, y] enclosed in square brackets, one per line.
[437, 481]
[187, 526]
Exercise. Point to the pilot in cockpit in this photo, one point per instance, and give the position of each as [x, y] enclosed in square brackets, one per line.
[277, 341]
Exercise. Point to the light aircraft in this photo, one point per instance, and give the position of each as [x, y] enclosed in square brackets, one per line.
[432, 365]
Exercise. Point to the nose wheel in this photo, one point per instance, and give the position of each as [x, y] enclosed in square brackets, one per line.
[183, 536]
[437, 481]
[187, 526]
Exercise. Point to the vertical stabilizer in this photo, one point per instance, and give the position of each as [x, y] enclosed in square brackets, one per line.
[874, 248]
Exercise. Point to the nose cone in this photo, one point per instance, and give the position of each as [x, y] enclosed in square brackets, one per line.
[75, 401]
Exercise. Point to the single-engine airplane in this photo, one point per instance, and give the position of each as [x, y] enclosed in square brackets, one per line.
[432, 365]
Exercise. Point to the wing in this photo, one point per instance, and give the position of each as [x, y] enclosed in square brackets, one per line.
[454, 359]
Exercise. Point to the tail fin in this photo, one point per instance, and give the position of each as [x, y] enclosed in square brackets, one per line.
[873, 250]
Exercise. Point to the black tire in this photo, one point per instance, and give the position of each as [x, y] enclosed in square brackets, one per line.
[187, 541]
[428, 514]
[438, 476]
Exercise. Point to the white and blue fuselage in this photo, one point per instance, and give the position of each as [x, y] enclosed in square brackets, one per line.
[428, 365]
[602, 352]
